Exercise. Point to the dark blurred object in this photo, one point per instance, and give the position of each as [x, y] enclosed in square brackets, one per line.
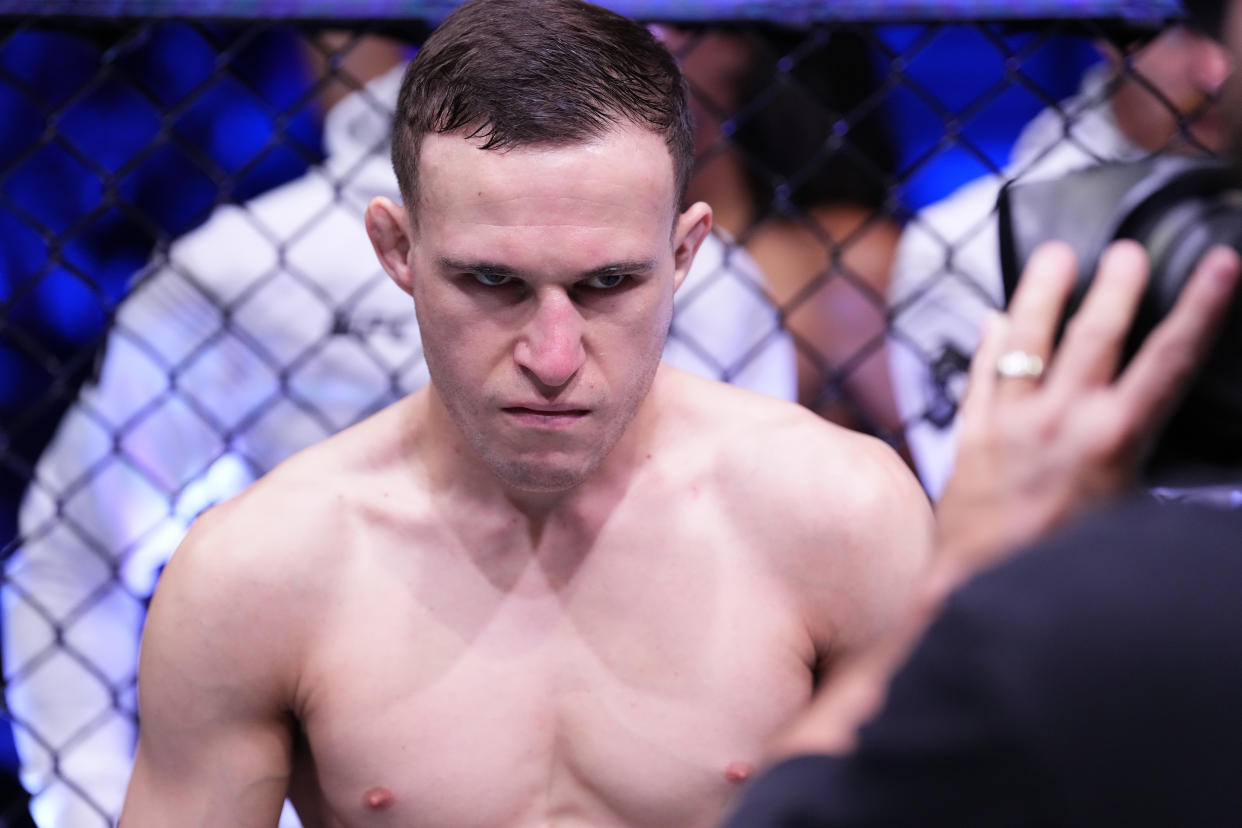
[824, 83]
[13, 804]
[1176, 207]
[1206, 15]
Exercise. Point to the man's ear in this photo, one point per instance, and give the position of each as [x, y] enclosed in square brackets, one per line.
[692, 227]
[389, 229]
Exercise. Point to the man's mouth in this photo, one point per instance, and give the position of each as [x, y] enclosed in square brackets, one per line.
[546, 416]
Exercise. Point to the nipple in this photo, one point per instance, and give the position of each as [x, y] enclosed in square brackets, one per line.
[739, 772]
[377, 798]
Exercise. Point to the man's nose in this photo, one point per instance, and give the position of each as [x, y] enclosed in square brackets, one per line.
[550, 347]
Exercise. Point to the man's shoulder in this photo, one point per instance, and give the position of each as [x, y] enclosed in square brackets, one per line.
[278, 529]
[833, 514]
[780, 456]
[833, 478]
[302, 515]
[239, 601]
[720, 421]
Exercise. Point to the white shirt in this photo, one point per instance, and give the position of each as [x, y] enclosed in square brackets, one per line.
[947, 272]
[260, 333]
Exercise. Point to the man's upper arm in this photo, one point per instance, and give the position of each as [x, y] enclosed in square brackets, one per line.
[871, 535]
[214, 693]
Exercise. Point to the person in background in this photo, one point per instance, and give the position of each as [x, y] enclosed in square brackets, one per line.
[796, 164]
[254, 336]
[947, 274]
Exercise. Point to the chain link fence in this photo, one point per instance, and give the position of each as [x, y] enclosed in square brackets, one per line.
[187, 295]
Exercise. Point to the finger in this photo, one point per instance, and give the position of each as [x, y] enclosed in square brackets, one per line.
[1093, 341]
[1036, 307]
[981, 384]
[1154, 381]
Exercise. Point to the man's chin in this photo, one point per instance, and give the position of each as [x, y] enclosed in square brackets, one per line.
[543, 478]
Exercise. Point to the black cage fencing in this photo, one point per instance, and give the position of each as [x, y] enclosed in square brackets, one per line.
[187, 294]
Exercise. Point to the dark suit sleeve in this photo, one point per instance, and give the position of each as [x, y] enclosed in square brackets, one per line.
[1093, 680]
[941, 752]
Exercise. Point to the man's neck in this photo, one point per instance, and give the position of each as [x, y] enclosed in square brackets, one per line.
[489, 513]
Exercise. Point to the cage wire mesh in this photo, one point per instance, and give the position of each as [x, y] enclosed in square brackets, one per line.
[187, 295]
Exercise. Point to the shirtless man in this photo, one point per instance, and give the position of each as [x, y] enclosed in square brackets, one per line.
[562, 584]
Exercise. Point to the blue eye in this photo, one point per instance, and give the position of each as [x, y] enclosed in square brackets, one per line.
[488, 279]
[606, 282]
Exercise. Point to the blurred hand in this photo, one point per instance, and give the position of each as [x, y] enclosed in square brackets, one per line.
[1035, 450]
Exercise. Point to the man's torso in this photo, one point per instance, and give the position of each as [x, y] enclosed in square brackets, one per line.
[630, 676]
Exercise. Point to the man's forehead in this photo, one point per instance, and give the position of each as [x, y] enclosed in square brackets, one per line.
[554, 212]
[624, 162]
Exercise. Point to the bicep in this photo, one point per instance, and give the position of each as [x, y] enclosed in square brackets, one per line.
[876, 541]
[214, 742]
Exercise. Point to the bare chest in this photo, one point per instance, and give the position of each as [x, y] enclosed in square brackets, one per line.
[640, 698]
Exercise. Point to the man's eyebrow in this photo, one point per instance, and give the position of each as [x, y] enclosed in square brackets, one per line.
[625, 268]
[632, 268]
[483, 268]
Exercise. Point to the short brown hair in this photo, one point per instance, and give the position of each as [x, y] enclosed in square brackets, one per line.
[515, 73]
